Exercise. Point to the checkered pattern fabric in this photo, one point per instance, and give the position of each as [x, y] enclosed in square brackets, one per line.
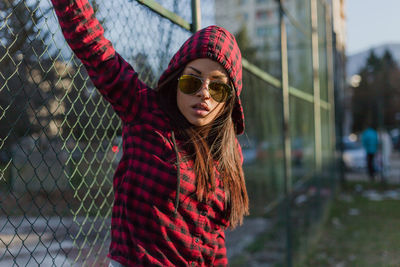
[146, 230]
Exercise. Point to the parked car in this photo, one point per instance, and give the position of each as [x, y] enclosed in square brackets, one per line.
[354, 155]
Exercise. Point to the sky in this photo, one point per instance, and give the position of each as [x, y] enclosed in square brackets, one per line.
[371, 23]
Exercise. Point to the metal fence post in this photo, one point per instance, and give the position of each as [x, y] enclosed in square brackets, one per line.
[286, 132]
[316, 85]
[331, 90]
[196, 16]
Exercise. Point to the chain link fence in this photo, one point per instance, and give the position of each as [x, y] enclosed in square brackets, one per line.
[60, 141]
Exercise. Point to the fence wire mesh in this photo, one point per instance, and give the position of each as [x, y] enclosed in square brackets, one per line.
[60, 141]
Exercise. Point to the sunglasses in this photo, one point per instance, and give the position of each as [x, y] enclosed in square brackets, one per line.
[189, 84]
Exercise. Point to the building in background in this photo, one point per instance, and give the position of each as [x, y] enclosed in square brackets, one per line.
[259, 19]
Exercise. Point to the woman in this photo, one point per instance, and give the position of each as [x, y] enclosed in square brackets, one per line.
[180, 181]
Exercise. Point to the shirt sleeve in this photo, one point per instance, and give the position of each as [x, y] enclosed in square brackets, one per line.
[220, 257]
[116, 80]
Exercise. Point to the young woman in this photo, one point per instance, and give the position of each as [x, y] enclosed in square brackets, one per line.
[180, 181]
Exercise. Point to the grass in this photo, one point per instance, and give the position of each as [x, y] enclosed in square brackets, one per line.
[358, 231]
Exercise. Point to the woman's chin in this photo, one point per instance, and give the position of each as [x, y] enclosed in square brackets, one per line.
[198, 123]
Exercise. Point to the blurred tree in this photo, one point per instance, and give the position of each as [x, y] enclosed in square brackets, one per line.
[40, 95]
[24, 68]
[248, 51]
[261, 102]
[390, 80]
[376, 100]
[252, 95]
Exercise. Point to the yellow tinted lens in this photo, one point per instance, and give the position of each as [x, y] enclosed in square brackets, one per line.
[189, 84]
[219, 91]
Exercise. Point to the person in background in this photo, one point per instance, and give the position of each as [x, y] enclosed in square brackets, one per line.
[369, 140]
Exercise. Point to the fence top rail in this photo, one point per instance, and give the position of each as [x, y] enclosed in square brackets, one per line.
[253, 69]
[162, 11]
[268, 78]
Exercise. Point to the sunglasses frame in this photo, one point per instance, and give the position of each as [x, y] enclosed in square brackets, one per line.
[203, 80]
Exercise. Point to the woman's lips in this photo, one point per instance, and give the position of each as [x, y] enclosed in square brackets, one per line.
[201, 109]
[202, 106]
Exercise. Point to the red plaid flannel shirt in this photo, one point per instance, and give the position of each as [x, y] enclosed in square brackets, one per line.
[146, 229]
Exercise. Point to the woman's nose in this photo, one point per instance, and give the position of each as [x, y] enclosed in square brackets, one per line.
[203, 91]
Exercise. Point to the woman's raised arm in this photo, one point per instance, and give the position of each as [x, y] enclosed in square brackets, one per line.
[116, 80]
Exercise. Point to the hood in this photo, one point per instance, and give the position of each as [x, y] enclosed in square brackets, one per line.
[220, 45]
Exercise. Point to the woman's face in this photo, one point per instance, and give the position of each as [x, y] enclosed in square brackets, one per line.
[200, 108]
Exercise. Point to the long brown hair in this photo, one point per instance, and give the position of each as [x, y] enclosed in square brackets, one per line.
[208, 145]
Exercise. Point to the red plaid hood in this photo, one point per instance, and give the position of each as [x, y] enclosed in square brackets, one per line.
[220, 45]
